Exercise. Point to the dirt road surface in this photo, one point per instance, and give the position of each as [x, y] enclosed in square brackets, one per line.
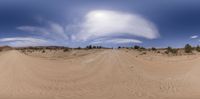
[108, 74]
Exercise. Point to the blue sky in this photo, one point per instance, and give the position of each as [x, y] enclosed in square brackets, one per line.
[149, 23]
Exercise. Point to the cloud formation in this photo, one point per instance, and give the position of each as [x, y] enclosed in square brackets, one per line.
[52, 30]
[194, 36]
[24, 41]
[110, 26]
[103, 23]
[116, 41]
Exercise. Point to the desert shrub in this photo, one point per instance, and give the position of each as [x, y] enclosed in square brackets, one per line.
[198, 48]
[188, 48]
[119, 47]
[94, 47]
[143, 53]
[99, 47]
[136, 47]
[174, 51]
[166, 52]
[89, 47]
[65, 50]
[79, 48]
[142, 48]
[153, 49]
[43, 51]
[171, 50]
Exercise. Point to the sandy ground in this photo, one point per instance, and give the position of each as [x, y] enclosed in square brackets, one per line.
[107, 74]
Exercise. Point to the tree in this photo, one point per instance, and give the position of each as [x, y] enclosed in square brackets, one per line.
[188, 48]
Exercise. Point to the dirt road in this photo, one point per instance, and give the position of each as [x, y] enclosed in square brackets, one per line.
[109, 74]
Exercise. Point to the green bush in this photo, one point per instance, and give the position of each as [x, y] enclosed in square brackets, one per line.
[171, 50]
[188, 48]
[65, 50]
[198, 48]
[153, 49]
[89, 47]
[142, 48]
[136, 47]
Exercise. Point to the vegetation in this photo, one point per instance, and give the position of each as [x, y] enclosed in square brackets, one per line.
[143, 53]
[153, 49]
[65, 50]
[79, 48]
[93, 47]
[136, 47]
[142, 48]
[198, 48]
[171, 50]
[188, 48]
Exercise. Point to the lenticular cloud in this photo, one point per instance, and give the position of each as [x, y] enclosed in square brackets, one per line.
[103, 23]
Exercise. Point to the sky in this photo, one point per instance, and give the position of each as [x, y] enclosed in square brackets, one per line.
[110, 23]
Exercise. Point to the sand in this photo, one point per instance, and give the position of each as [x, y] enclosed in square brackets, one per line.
[104, 74]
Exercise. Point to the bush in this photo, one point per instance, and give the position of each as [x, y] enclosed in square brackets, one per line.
[171, 50]
[94, 47]
[198, 48]
[144, 53]
[166, 52]
[99, 47]
[188, 48]
[89, 47]
[65, 50]
[136, 47]
[142, 48]
[79, 48]
[153, 49]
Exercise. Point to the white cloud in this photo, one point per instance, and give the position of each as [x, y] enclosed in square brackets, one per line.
[103, 23]
[116, 41]
[53, 30]
[24, 41]
[33, 29]
[194, 36]
[57, 29]
[112, 26]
